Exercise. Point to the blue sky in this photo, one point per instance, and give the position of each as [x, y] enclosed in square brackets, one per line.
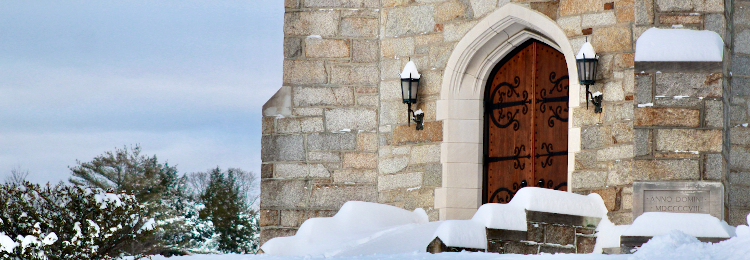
[184, 79]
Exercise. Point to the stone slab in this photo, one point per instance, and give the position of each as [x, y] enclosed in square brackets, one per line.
[678, 196]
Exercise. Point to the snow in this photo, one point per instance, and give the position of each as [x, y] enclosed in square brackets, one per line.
[694, 224]
[6, 243]
[105, 198]
[314, 37]
[679, 45]
[608, 235]
[51, 238]
[149, 225]
[410, 71]
[462, 233]
[418, 112]
[678, 245]
[355, 224]
[553, 201]
[29, 240]
[596, 94]
[501, 216]
[646, 105]
[587, 51]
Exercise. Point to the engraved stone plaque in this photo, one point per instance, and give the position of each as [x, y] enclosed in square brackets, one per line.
[679, 196]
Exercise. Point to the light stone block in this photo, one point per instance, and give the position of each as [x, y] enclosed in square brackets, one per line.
[291, 170]
[598, 19]
[390, 90]
[393, 113]
[392, 164]
[326, 48]
[360, 160]
[461, 153]
[354, 176]
[322, 23]
[343, 3]
[456, 213]
[462, 131]
[449, 10]
[396, 181]
[588, 179]
[338, 119]
[617, 152]
[460, 109]
[612, 39]
[458, 198]
[364, 51]
[412, 20]
[397, 47]
[574, 7]
[353, 74]
[421, 154]
[613, 91]
[644, 12]
[482, 7]
[304, 72]
[455, 31]
[571, 25]
[689, 140]
[334, 196]
[359, 27]
[462, 175]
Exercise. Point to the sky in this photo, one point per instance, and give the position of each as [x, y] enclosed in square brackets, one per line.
[185, 80]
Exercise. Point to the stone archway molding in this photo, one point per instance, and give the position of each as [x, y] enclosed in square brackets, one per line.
[460, 106]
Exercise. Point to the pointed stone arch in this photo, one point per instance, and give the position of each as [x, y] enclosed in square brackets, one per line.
[460, 106]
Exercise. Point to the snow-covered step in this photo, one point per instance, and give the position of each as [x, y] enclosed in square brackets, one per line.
[704, 227]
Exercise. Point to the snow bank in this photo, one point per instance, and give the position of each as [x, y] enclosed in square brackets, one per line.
[608, 235]
[462, 233]
[678, 245]
[501, 216]
[554, 201]
[678, 45]
[355, 224]
[694, 224]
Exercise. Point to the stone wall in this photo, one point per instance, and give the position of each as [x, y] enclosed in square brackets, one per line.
[669, 124]
[737, 62]
[320, 138]
[337, 130]
[607, 139]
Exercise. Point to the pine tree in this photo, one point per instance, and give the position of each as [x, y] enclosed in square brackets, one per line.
[226, 206]
[154, 184]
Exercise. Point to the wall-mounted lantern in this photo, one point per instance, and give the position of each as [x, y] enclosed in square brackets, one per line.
[409, 90]
[586, 63]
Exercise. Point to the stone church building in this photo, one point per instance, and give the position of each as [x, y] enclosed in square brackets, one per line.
[503, 107]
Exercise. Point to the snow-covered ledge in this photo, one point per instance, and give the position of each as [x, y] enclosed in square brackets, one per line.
[681, 45]
[679, 50]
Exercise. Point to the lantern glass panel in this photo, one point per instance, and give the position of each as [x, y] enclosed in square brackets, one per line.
[409, 88]
[586, 70]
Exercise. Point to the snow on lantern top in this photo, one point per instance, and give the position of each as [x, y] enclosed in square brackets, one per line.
[587, 51]
[410, 71]
[679, 45]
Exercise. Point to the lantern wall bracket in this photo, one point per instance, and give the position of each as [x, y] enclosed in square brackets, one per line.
[417, 117]
[595, 98]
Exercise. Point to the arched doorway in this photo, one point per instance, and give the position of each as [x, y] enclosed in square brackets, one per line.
[525, 122]
[461, 103]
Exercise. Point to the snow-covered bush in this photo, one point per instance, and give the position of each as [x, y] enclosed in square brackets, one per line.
[68, 222]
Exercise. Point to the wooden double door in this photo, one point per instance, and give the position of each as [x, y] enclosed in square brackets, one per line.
[526, 123]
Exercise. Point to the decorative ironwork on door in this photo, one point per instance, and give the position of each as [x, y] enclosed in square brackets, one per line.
[526, 130]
